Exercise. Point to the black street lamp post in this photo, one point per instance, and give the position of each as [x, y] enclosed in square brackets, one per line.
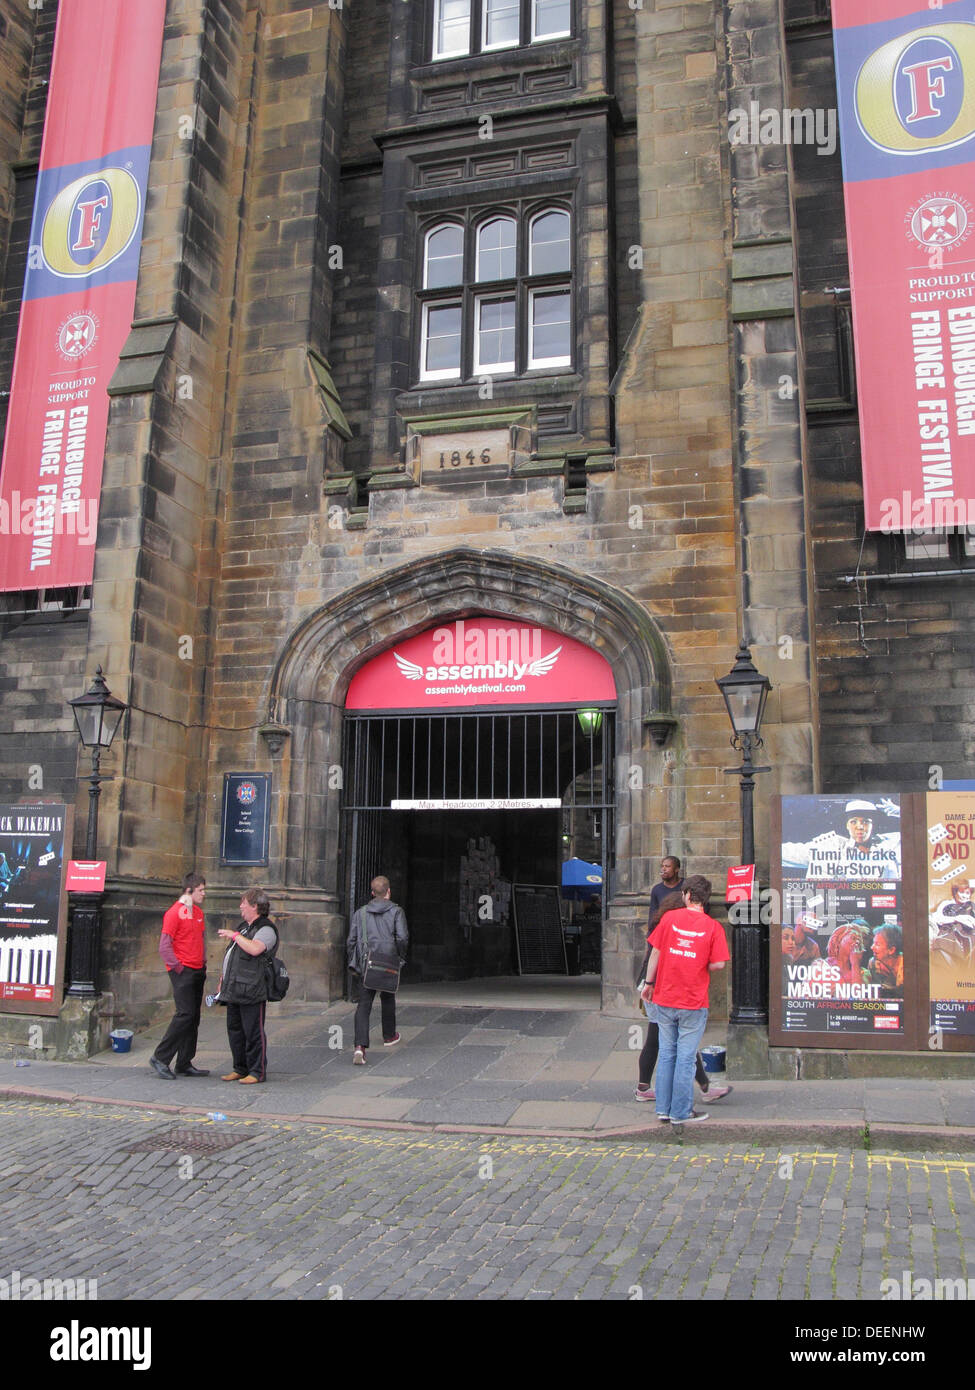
[97, 715]
[745, 691]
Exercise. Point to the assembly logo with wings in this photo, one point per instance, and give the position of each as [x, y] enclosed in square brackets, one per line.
[485, 671]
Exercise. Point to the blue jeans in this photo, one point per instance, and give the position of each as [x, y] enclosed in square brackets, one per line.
[681, 1031]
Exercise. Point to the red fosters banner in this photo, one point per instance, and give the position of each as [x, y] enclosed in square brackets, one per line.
[79, 291]
[906, 89]
[482, 661]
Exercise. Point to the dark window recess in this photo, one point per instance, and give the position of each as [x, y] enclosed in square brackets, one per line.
[361, 500]
[801, 14]
[831, 358]
[845, 356]
[44, 605]
[576, 478]
[936, 554]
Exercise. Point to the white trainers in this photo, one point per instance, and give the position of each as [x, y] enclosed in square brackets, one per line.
[359, 1057]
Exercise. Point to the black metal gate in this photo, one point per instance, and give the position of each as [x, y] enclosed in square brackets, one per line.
[557, 757]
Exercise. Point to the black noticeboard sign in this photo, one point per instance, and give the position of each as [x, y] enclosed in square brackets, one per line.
[246, 822]
[538, 929]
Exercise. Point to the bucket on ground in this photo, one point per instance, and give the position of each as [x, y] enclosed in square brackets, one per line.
[714, 1058]
[121, 1039]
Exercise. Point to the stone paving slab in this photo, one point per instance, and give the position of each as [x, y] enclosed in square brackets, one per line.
[620, 1067]
[359, 1107]
[463, 1111]
[554, 1071]
[569, 1071]
[520, 1066]
[560, 1114]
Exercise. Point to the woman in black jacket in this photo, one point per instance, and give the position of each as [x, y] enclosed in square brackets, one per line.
[243, 987]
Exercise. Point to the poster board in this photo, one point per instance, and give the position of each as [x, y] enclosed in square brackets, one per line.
[35, 840]
[538, 929]
[847, 944]
[949, 915]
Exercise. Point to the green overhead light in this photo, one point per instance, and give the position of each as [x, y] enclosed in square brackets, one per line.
[590, 721]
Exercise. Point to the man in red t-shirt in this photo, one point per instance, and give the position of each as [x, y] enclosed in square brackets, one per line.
[687, 945]
[183, 949]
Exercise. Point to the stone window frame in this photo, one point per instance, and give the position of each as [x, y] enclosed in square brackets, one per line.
[575, 408]
[477, 16]
[524, 286]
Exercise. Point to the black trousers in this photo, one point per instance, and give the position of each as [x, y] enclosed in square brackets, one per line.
[248, 1043]
[364, 1009]
[648, 1059]
[179, 1040]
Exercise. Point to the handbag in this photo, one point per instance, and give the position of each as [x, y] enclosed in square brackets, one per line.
[382, 968]
[381, 972]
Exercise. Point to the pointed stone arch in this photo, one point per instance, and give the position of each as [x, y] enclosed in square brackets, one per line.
[309, 684]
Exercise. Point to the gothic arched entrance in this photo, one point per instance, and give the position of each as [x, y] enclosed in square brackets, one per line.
[313, 679]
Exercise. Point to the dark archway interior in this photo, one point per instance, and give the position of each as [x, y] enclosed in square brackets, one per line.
[453, 868]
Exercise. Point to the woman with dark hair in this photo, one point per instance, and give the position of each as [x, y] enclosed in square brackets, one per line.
[648, 1057]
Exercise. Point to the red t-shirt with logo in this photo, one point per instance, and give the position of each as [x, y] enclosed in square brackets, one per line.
[688, 943]
[187, 934]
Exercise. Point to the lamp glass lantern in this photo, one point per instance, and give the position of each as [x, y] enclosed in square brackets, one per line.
[745, 692]
[97, 714]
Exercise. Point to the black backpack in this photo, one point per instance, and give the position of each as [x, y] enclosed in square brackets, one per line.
[276, 973]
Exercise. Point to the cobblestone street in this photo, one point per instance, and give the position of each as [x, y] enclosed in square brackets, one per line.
[253, 1208]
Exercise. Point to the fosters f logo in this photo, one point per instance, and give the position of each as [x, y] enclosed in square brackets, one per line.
[90, 222]
[916, 93]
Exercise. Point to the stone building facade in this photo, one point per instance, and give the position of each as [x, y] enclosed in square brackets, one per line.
[270, 519]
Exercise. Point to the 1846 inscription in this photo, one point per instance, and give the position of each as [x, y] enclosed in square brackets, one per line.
[455, 455]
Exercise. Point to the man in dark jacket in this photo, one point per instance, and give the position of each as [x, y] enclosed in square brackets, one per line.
[670, 882]
[379, 927]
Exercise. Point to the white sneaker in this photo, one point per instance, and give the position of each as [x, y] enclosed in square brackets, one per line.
[359, 1057]
[694, 1115]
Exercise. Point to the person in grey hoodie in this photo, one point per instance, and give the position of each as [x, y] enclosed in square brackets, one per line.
[380, 926]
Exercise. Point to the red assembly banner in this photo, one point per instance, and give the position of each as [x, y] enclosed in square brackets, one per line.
[741, 884]
[79, 290]
[905, 76]
[86, 876]
[482, 661]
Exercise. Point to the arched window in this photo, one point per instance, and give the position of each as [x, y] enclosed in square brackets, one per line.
[509, 317]
[443, 258]
[549, 244]
[496, 249]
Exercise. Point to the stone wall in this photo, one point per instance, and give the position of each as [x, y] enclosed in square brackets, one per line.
[262, 534]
